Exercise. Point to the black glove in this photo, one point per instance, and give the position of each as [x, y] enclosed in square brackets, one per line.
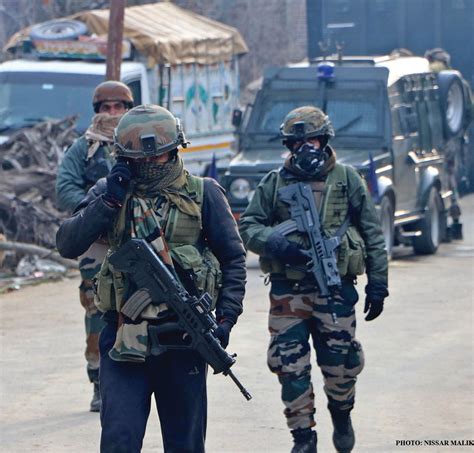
[117, 183]
[277, 246]
[376, 293]
[223, 332]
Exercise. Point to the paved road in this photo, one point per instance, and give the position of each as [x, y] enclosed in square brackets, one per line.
[417, 384]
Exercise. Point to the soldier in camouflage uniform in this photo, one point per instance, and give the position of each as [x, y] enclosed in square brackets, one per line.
[88, 159]
[297, 312]
[439, 59]
[148, 194]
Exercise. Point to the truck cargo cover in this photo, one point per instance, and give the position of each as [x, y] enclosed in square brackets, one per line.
[165, 33]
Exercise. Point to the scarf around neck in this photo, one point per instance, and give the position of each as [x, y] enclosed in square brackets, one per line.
[102, 127]
[101, 131]
[168, 182]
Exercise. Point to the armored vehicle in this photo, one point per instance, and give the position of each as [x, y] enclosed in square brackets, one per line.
[394, 120]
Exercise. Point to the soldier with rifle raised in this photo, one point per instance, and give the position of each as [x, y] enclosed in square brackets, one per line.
[314, 225]
[175, 256]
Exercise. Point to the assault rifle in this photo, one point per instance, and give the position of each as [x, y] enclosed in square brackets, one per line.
[305, 219]
[157, 283]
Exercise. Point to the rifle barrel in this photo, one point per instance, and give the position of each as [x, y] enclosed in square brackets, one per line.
[244, 391]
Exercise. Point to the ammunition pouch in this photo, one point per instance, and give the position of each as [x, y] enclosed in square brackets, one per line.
[351, 254]
[109, 287]
[203, 266]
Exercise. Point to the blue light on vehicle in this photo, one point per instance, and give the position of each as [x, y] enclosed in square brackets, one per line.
[326, 71]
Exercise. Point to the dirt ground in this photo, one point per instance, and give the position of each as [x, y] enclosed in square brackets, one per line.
[418, 383]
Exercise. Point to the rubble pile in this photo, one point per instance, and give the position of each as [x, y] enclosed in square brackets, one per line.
[28, 166]
[38, 147]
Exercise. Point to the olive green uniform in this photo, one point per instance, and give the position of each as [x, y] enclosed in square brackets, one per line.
[78, 172]
[296, 310]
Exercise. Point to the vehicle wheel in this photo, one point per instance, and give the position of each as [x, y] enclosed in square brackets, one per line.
[431, 226]
[453, 102]
[386, 221]
[58, 29]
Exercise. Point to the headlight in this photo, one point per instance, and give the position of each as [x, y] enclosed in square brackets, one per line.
[239, 188]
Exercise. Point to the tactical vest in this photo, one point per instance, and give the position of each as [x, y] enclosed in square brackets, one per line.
[333, 211]
[187, 246]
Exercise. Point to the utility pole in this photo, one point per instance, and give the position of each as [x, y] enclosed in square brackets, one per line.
[114, 39]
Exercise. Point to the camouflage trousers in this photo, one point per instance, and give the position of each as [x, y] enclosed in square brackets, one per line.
[89, 265]
[297, 315]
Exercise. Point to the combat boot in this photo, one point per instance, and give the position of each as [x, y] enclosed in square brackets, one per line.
[305, 440]
[343, 437]
[96, 401]
[456, 231]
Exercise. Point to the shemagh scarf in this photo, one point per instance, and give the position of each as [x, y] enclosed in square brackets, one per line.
[101, 131]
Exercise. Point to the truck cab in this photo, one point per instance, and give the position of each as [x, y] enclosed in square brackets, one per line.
[195, 75]
[390, 124]
[33, 91]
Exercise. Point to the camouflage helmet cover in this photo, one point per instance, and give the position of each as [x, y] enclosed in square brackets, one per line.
[112, 90]
[305, 122]
[146, 131]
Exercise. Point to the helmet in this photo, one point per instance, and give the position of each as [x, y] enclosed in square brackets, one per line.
[401, 52]
[112, 90]
[146, 131]
[304, 123]
[438, 54]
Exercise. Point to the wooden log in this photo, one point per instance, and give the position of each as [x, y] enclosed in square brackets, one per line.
[42, 252]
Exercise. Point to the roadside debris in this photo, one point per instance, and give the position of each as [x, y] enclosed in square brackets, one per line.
[29, 218]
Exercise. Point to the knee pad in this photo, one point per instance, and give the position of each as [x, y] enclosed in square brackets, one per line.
[355, 359]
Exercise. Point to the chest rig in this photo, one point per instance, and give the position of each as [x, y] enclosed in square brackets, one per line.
[332, 199]
[187, 246]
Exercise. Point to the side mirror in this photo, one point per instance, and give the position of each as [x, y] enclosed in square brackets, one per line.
[236, 118]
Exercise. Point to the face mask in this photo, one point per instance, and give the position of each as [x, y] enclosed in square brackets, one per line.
[147, 171]
[308, 158]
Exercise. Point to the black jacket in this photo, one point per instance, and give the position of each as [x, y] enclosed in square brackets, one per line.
[93, 218]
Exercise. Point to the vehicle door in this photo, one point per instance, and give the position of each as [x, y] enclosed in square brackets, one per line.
[407, 144]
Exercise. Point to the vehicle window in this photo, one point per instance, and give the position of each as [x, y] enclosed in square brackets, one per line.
[423, 121]
[355, 113]
[136, 89]
[270, 110]
[273, 113]
[27, 98]
[436, 122]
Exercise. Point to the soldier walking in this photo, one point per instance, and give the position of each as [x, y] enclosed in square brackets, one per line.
[149, 195]
[88, 159]
[297, 311]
